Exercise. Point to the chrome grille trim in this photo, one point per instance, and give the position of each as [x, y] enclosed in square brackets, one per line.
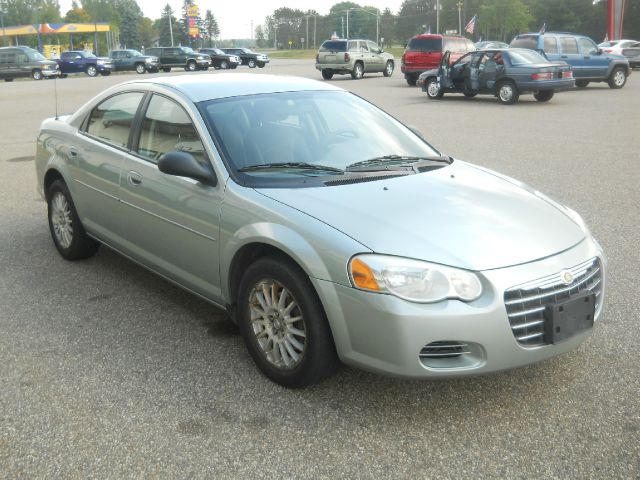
[526, 303]
[444, 348]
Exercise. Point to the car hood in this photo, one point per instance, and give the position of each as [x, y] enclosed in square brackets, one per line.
[460, 215]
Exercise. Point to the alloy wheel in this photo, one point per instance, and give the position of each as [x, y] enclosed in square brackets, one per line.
[61, 220]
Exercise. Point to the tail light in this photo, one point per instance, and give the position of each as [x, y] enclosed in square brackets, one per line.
[607, 50]
[542, 76]
[567, 74]
[347, 57]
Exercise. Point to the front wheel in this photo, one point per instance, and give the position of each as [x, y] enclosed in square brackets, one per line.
[470, 94]
[8, 79]
[388, 69]
[224, 64]
[92, 71]
[434, 91]
[618, 78]
[191, 66]
[358, 71]
[166, 69]
[508, 93]
[543, 96]
[251, 63]
[261, 64]
[284, 325]
[68, 234]
[37, 74]
[327, 74]
[140, 68]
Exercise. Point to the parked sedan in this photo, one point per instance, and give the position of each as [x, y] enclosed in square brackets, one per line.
[222, 60]
[505, 74]
[632, 52]
[324, 235]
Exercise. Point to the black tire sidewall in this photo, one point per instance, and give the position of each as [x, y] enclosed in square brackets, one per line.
[319, 357]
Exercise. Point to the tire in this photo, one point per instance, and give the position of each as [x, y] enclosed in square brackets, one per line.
[68, 234]
[470, 94]
[224, 64]
[37, 74]
[233, 67]
[308, 338]
[327, 74]
[63, 75]
[105, 73]
[358, 71]
[434, 92]
[140, 69]
[9, 79]
[251, 63]
[261, 65]
[191, 66]
[507, 93]
[618, 78]
[411, 80]
[582, 83]
[544, 96]
[166, 69]
[388, 69]
[92, 71]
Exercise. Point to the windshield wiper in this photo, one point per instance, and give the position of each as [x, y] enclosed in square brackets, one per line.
[396, 160]
[290, 165]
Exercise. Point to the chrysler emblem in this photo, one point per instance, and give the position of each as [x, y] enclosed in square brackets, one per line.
[567, 277]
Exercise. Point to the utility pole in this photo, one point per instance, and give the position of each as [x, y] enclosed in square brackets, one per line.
[2, 22]
[171, 27]
[348, 22]
[459, 5]
[437, 16]
[306, 38]
[315, 18]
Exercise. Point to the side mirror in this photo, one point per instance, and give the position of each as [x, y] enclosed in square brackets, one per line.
[182, 164]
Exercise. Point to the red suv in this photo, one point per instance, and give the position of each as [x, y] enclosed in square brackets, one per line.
[424, 52]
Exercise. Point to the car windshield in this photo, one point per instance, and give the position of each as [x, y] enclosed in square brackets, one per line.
[217, 51]
[326, 129]
[524, 57]
[246, 50]
[187, 49]
[135, 53]
[34, 55]
[88, 55]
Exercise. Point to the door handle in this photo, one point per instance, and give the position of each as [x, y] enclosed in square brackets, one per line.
[134, 178]
[563, 56]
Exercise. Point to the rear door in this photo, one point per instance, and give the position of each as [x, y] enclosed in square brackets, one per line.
[172, 222]
[570, 53]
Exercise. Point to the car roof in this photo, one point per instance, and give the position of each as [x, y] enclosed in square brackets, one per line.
[199, 88]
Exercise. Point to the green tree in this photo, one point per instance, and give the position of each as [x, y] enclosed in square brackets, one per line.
[147, 32]
[163, 26]
[415, 16]
[502, 19]
[211, 29]
[130, 20]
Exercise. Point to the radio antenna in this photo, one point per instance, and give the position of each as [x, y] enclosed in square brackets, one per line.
[55, 87]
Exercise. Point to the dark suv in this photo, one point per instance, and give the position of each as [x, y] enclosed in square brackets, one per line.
[134, 60]
[182, 57]
[219, 59]
[424, 52]
[76, 61]
[25, 62]
[589, 64]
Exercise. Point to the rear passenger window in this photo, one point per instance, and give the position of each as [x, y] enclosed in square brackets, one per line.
[353, 46]
[550, 45]
[569, 45]
[166, 127]
[111, 120]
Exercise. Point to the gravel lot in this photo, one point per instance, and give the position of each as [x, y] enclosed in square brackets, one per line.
[107, 371]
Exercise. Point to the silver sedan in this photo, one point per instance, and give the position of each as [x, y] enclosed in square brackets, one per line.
[328, 230]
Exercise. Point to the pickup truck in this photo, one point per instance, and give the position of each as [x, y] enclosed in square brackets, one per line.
[77, 61]
[130, 59]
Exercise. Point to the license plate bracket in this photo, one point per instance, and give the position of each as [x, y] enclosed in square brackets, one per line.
[565, 319]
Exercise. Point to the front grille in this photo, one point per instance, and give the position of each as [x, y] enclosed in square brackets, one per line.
[444, 349]
[526, 303]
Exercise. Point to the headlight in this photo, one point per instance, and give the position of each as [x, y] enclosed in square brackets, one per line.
[148, 60]
[200, 58]
[100, 62]
[412, 280]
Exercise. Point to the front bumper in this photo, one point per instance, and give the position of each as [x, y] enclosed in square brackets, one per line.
[385, 334]
[107, 67]
[51, 73]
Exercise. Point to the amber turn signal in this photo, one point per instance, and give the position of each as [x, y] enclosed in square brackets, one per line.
[363, 276]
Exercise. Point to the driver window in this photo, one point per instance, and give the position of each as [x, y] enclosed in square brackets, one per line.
[373, 47]
[363, 47]
[166, 127]
[587, 47]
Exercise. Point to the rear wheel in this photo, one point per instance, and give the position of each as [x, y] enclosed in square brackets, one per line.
[470, 94]
[140, 68]
[582, 83]
[37, 74]
[67, 232]
[251, 63]
[434, 91]
[166, 69]
[543, 96]
[105, 73]
[358, 71]
[283, 324]
[411, 80]
[92, 71]
[9, 79]
[508, 93]
[388, 69]
[327, 74]
[618, 78]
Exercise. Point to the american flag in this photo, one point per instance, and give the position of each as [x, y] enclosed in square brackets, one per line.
[471, 26]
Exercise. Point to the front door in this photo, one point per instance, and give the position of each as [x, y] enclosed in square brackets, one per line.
[594, 64]
[377, 60]
[171, 223]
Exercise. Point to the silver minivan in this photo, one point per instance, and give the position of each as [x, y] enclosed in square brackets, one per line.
[25, 62]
